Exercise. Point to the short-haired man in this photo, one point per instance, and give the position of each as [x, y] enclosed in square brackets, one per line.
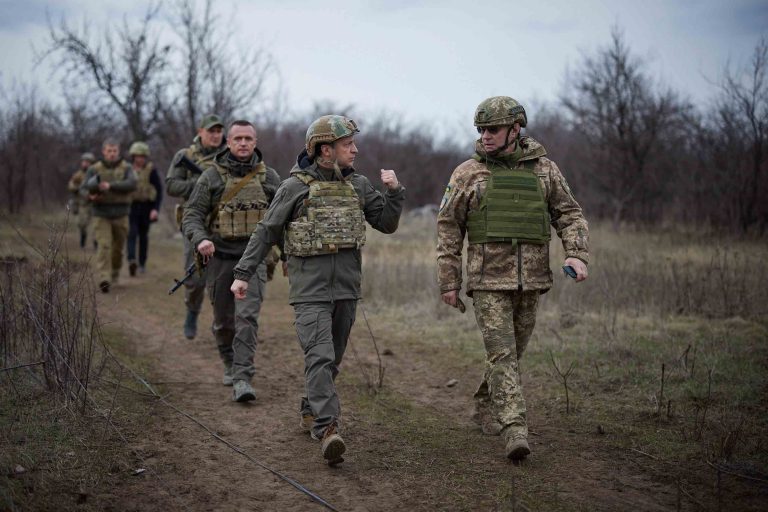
[505, 198]
[227, 202]
[78, 204]
[108, 185]
[179, 182]
[322, 209]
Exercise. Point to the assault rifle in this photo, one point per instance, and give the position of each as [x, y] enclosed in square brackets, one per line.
[189, 165]
[197, 266]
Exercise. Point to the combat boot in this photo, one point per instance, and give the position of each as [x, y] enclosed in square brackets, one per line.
[104, 286]
[82, 240]
[242, 391]
[306, 422]
[484, 418]
[227, 378]
[132, 268]
[333, 446]
[517, 448]
[190, 325]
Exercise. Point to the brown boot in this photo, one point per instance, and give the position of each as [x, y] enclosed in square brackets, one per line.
[517, 448]
[306, 422]
[333, 446]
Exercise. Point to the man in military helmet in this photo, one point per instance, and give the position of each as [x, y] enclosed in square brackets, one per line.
[108, 185]
[227, 202]
[505, 198]
[145, 205]
[180, 180]
[78, 204]
[320, 212]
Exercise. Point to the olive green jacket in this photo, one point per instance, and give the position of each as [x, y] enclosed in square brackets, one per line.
[179, 181]
[327, 277]
[206, 196]
[119, 188]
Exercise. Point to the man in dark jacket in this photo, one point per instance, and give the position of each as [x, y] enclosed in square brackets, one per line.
[320, 213]
[228, 200]
[145, 206]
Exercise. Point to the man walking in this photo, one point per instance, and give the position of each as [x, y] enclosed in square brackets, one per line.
[226, 204]
[78, 204]
[505, 198]
[145, 205]
[180, 180]
[321, 211]
[108, 185]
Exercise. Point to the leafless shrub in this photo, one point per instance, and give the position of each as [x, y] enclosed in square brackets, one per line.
[563, 377]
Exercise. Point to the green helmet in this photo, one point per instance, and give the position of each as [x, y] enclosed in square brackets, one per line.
[88, 156]
[328, 129]
[139, 148]
[500, 111]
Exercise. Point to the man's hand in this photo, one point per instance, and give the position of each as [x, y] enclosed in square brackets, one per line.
[579, 267]
[103, 186]
[206, 249]
[285, 268]
[239, 288]
[153, 215]
[389, 179]
[451, 298]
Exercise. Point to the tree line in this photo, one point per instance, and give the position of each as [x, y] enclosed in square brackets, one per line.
[634, 151]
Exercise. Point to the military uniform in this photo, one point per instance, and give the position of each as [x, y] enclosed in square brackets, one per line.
[179, 182]
[227, 202]
[147, 197]
[322, 214]
[80, 205]
[505, 205]
[110, 214]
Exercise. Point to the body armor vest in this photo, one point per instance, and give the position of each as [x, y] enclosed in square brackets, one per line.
[334, 219]
[242, 205]
[110, 175]
[512, 210]
[145, 190]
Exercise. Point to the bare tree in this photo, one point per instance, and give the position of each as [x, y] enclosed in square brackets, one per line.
[126, 65]
[742, 123]
[614, 105]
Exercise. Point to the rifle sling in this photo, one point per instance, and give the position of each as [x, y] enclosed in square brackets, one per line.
[225, 198]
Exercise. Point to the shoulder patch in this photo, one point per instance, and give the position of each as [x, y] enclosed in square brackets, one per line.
[446, 196]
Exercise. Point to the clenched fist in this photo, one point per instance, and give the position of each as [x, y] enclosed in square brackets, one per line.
[389, 179]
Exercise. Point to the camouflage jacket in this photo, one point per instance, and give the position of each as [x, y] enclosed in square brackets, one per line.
[179, 181]
[327, 277]
[74, 186]
[206, 196]
[505, 266]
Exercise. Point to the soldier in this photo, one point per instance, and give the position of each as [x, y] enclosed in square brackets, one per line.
[78, 204]
[229, 199]
[145, 205]
[180, 180]
[505, 198]
[322, 208]
[108, 185]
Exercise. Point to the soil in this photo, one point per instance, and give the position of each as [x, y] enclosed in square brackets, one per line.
[415, 450]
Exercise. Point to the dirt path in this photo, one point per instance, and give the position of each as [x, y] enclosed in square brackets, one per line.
[413, 450]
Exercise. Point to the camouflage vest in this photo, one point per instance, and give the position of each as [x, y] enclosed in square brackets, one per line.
[145, 190]
[242, 205]
[111, 175]
[195, 153]
[334, 219]
[513, 208]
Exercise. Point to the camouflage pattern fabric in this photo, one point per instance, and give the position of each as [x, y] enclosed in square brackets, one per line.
[116, 202]
[505, 337]
[242, 204]
[500, 111]
[80, 205]
[110, 235]
[145, 191]
[498, 265]
[334, 220]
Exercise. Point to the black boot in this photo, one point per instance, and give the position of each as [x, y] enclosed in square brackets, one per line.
[190, 325]
[82, 240]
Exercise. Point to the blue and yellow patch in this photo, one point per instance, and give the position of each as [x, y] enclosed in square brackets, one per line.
[446, 196]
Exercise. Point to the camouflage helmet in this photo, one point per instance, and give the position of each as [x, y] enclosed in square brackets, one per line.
[500, 111]
[139, 148]
[88, 156]
[328, 129]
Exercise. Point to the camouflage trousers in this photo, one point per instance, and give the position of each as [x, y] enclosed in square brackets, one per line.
[110, 235]
[506, 320]
[194, 287]
[83, 218]
[235, 322]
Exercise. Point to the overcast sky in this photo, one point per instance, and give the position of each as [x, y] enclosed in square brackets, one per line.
[435, 60]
